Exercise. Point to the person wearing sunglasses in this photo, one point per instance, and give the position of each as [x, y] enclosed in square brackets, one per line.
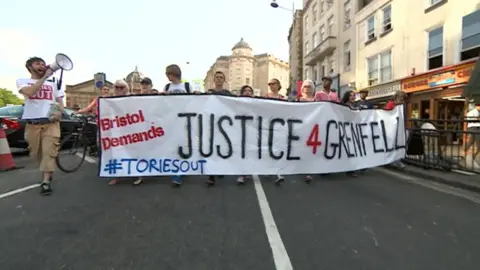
[275, 88]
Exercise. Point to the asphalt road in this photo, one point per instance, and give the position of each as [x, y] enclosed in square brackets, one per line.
[372, 222]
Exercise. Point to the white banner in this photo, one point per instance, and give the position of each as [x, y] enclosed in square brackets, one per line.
[219, 135]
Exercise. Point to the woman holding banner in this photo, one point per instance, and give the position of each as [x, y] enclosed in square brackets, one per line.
[245, 91]
[349, 100]
[306, 96]
[121, 89]
[275, 87]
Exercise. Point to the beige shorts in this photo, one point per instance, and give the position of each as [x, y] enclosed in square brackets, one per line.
[43, 144]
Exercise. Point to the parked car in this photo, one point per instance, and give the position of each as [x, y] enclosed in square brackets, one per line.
[10, 119]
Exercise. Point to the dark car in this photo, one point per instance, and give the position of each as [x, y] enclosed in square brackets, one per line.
[10, 119]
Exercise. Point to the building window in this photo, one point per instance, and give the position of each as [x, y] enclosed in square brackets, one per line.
[322, 33]
[305, 27]
[372, 70]
[314, 13]
[330, 26]
[435, 48]
[322, 6]
[315, 74]
[470, 36]
[306, 74]
[331, 63]
[315, 40]
[371, 28]
[387, 18]
[434, 2]
[247, 81]
[323, 71]
[346, 57]
[329, 3]
[347, 21]
[386, 66]
[307, 48]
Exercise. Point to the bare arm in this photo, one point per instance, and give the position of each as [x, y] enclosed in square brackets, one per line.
[61, 106]
[89, 108]
[32, 89]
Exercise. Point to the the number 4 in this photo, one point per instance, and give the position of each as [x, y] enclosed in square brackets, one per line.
[313, 139]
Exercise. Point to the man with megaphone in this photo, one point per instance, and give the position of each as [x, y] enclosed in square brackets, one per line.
[42, 112]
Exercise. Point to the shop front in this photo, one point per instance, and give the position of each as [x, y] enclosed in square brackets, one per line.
[438, 94]
[381, 93]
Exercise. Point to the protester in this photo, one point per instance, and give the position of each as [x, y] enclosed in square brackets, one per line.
[275, 87]
[363, 103]
[120, 88]
[219, 81]
[155, 91]
[245, 91]
[307, 95]
[146, 86]
[93, 106]
[42, 111]
[176, 86]
[398, 99]
[326, 94]
[349, 100]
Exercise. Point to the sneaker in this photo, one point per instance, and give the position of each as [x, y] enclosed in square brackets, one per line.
[113, 182]
[45, 189]
[308, 179]
[211, 181]
[280, 179]
[241, 180]
[137, 182]
[177, 181]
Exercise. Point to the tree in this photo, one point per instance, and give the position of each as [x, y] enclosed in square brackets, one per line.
[7, 97]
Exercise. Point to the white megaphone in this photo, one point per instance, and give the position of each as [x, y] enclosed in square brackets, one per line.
[61, 62]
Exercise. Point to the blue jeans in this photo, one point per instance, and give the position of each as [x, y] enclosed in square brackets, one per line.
[177, 178]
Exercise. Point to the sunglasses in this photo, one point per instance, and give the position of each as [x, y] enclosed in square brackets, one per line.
[272, 83]
[119, 87]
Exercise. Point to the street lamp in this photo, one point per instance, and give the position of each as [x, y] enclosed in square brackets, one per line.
[274, 4]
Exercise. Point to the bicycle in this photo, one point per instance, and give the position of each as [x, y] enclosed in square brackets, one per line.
[78, 140]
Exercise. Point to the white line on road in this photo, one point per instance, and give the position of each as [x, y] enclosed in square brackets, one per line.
[471, 196]
[16, 191]
[280, 255]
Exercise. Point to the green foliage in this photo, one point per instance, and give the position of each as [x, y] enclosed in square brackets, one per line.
[8, 97]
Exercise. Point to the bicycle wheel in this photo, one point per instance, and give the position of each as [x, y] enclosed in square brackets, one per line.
[73, 150]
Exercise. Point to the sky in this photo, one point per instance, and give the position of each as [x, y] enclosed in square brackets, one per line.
[116, 36]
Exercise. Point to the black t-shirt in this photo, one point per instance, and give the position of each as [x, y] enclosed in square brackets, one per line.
[223, 92]
[364, 104]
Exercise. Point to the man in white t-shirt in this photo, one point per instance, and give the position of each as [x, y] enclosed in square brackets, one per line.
[42, 115]
[474, 130]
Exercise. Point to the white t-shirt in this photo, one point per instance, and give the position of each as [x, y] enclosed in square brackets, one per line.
[38, 105]
[177, 88]
[472, 114]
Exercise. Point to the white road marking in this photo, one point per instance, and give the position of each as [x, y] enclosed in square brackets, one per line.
[280, 255]
[471, 196]
[16, 191]
[87, 158]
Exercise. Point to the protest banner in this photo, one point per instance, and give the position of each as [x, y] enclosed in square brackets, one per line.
[220, 135]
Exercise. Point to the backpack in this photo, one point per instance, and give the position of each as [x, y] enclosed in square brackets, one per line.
[187, 87]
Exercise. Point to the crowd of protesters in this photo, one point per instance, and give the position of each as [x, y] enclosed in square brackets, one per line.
[177, 86]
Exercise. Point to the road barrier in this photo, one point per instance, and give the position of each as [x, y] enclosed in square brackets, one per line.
[443, 144]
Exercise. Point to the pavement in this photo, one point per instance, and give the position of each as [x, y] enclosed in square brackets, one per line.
[377, 221]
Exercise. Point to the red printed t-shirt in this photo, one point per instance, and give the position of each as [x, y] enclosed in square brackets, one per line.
[38, 105]
[390, 105]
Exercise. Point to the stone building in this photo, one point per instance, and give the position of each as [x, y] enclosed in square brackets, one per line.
[295, 42]
[81, 94]
[133, 79]
[243, 67]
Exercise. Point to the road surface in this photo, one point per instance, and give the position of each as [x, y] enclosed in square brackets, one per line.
[374, 222]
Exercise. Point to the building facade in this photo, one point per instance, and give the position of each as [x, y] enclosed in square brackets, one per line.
[81, 94]
[295, 42]
[133, 79]
[435, 41]
[242, 67]
[329, 39]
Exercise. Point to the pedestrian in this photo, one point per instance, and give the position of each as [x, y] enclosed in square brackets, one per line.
[363, 103]
[245, 91]
[327, 93]
[349, 100]
[42, 111]
[398, 99]
[275, 87]
[219, 81]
